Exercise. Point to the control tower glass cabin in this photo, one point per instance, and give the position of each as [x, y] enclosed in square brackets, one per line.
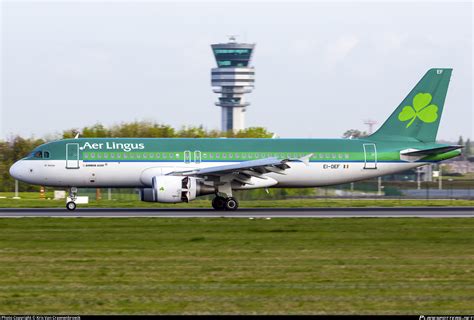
[232, 78]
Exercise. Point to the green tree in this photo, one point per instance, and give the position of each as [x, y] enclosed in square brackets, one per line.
[253, 132]
[354, 133]
[12, 150]
[463, 151]
[468, 148]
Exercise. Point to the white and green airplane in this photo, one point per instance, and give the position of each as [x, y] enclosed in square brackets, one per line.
[179, 170]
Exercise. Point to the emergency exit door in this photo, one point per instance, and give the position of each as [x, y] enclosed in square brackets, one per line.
[370, 156]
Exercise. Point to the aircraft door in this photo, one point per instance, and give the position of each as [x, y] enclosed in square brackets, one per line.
[187, 156]
[72, 156]
[370, 156]
[197, 157]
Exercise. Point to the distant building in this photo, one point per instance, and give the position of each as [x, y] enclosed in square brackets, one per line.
[460, 167]
[232, 78]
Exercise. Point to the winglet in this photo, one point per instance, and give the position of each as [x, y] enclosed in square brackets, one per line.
[304, 159]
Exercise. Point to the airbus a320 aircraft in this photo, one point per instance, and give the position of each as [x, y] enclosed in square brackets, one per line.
[179, 170]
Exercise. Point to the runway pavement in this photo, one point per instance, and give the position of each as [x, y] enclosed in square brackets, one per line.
[420, 212]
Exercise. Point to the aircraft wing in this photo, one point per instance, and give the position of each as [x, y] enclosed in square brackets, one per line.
[252, 168]
[427, 152]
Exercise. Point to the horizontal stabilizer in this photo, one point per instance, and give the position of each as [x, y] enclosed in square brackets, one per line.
[427, 152]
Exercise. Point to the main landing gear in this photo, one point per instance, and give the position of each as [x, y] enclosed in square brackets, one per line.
[71, 205]
[221, 203]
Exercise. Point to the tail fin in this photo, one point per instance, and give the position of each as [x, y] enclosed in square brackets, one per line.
[417, 117]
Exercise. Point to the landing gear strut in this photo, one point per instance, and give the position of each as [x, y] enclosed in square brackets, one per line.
[221, 203]
[71, 205]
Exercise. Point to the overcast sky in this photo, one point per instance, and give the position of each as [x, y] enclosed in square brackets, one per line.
[321, 68]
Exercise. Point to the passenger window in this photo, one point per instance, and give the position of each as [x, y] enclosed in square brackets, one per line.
[347, 156]
[86, 155]
[106, 155]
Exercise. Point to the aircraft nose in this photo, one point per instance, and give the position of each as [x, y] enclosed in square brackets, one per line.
[16, 170]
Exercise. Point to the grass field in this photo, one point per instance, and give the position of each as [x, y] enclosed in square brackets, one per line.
[278, 266]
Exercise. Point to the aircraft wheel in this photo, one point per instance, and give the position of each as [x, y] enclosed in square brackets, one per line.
[231, 204]
[218, 203]
[71, 206]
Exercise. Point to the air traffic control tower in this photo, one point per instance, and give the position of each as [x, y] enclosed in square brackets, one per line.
[232, 78]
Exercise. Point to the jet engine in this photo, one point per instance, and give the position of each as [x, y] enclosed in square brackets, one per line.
[174, 189]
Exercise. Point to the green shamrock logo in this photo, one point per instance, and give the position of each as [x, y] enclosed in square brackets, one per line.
[162, 189]
[421, 109]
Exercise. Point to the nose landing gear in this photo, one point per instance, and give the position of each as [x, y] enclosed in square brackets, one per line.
[71, 205]
[221, 203]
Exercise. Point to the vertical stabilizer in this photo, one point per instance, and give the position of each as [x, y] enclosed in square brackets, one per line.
[417, 117]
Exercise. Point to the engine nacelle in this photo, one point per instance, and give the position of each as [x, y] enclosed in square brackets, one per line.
[174, 189]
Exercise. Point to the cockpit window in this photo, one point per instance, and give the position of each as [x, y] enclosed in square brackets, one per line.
[46, 154]
[38, 154]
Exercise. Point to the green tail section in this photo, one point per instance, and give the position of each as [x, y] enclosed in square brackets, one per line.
[417, 117]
